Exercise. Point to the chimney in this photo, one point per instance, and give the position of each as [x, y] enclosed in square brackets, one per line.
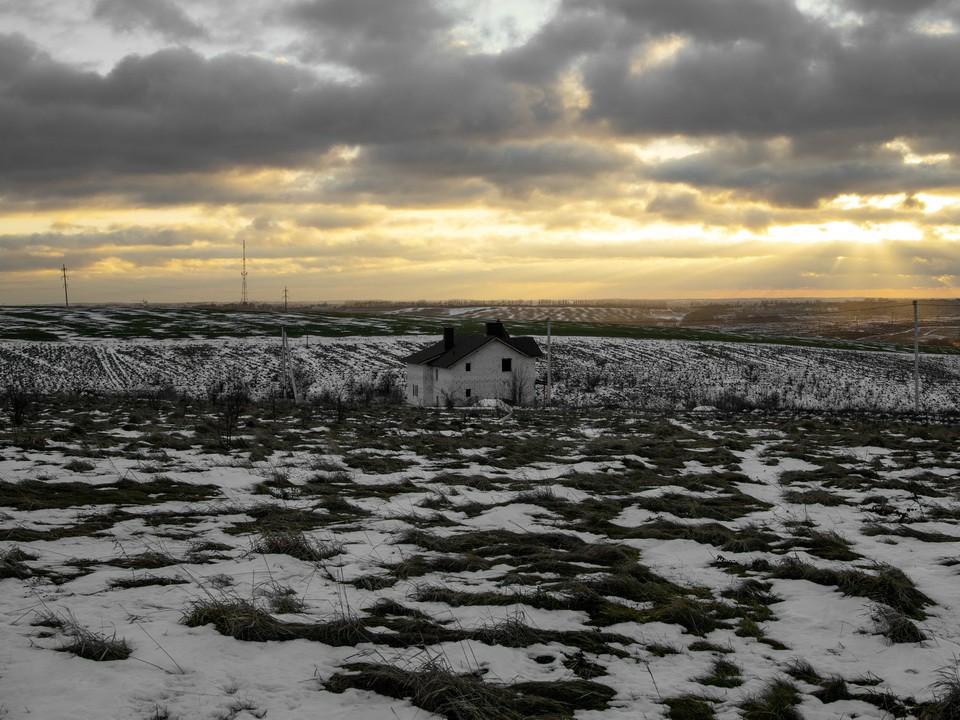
[448, 338]
[496, 329]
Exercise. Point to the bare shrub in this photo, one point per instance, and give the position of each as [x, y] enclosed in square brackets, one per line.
[19, 398]
[229, 398]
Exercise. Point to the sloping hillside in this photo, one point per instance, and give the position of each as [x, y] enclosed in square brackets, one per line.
[192, 350]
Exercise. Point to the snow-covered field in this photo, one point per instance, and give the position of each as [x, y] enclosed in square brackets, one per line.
[181, 349]
[656, 374]
[631, 552]
[400, 564]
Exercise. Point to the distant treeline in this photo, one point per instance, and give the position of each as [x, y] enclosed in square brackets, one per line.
[633, 303]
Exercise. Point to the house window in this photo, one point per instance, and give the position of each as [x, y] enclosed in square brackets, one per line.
[468, 392]
[416, 391]
[468, 367]
[506, 365]
[436, 374]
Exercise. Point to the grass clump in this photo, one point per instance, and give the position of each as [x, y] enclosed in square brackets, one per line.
[697, 618]
[11, 564]
[731, 505]
[150, 560]
[41, 495]
[297, 545]
[91, 645]
[376, 464]
[895, 626]
[777, 701]
[434, 687]
[908, 532]
[946, 693]
[723, 673]
[689, 707]
[48, 619]
[270, 518]
[239, 619]
[746, 539]
[813, 497]
[146, 581]
[801, 669]
[826, 545]
[581, 666]
[284, 600]
[705, 646]
[661, 650]
[885, 584]
[833, 689]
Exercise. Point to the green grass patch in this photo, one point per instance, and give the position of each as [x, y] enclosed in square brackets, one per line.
[690, 707]
[437, 689]
[42, 495]
[776, 701]
[722, 673]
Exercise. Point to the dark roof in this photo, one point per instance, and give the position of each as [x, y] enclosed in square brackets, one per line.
[467, 344]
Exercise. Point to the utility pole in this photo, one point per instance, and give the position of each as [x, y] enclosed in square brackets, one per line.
[549, 364]
[66, 300]
[243, 275]
[284, 298]
[916, 357]
[287, 369]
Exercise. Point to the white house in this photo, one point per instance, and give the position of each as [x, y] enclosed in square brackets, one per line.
[464, 368]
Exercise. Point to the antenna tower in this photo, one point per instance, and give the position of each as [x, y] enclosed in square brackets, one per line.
[66, 300]
[243, 275]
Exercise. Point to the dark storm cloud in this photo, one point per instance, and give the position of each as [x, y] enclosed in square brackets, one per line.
[506, 164]
[760, 68]
[898, 7]
[84, 248]
[172, 110]
[175, 111]
[160, 16]
[746, 70]
[765, 84]
[573, 33]
[804, 184]
[368, 34]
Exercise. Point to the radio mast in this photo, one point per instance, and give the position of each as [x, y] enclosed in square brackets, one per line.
[243, 275]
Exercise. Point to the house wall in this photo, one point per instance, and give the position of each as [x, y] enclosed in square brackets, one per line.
[485, 379]
[420, 379]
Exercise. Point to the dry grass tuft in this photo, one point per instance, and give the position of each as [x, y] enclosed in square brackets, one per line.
[777, 701]
[297, 545]
[895, 626]
[91, 645]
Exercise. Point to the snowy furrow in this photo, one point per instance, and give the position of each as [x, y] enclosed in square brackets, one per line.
[641, 373]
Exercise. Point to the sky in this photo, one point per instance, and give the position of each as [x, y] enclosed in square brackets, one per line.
[488, 149]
